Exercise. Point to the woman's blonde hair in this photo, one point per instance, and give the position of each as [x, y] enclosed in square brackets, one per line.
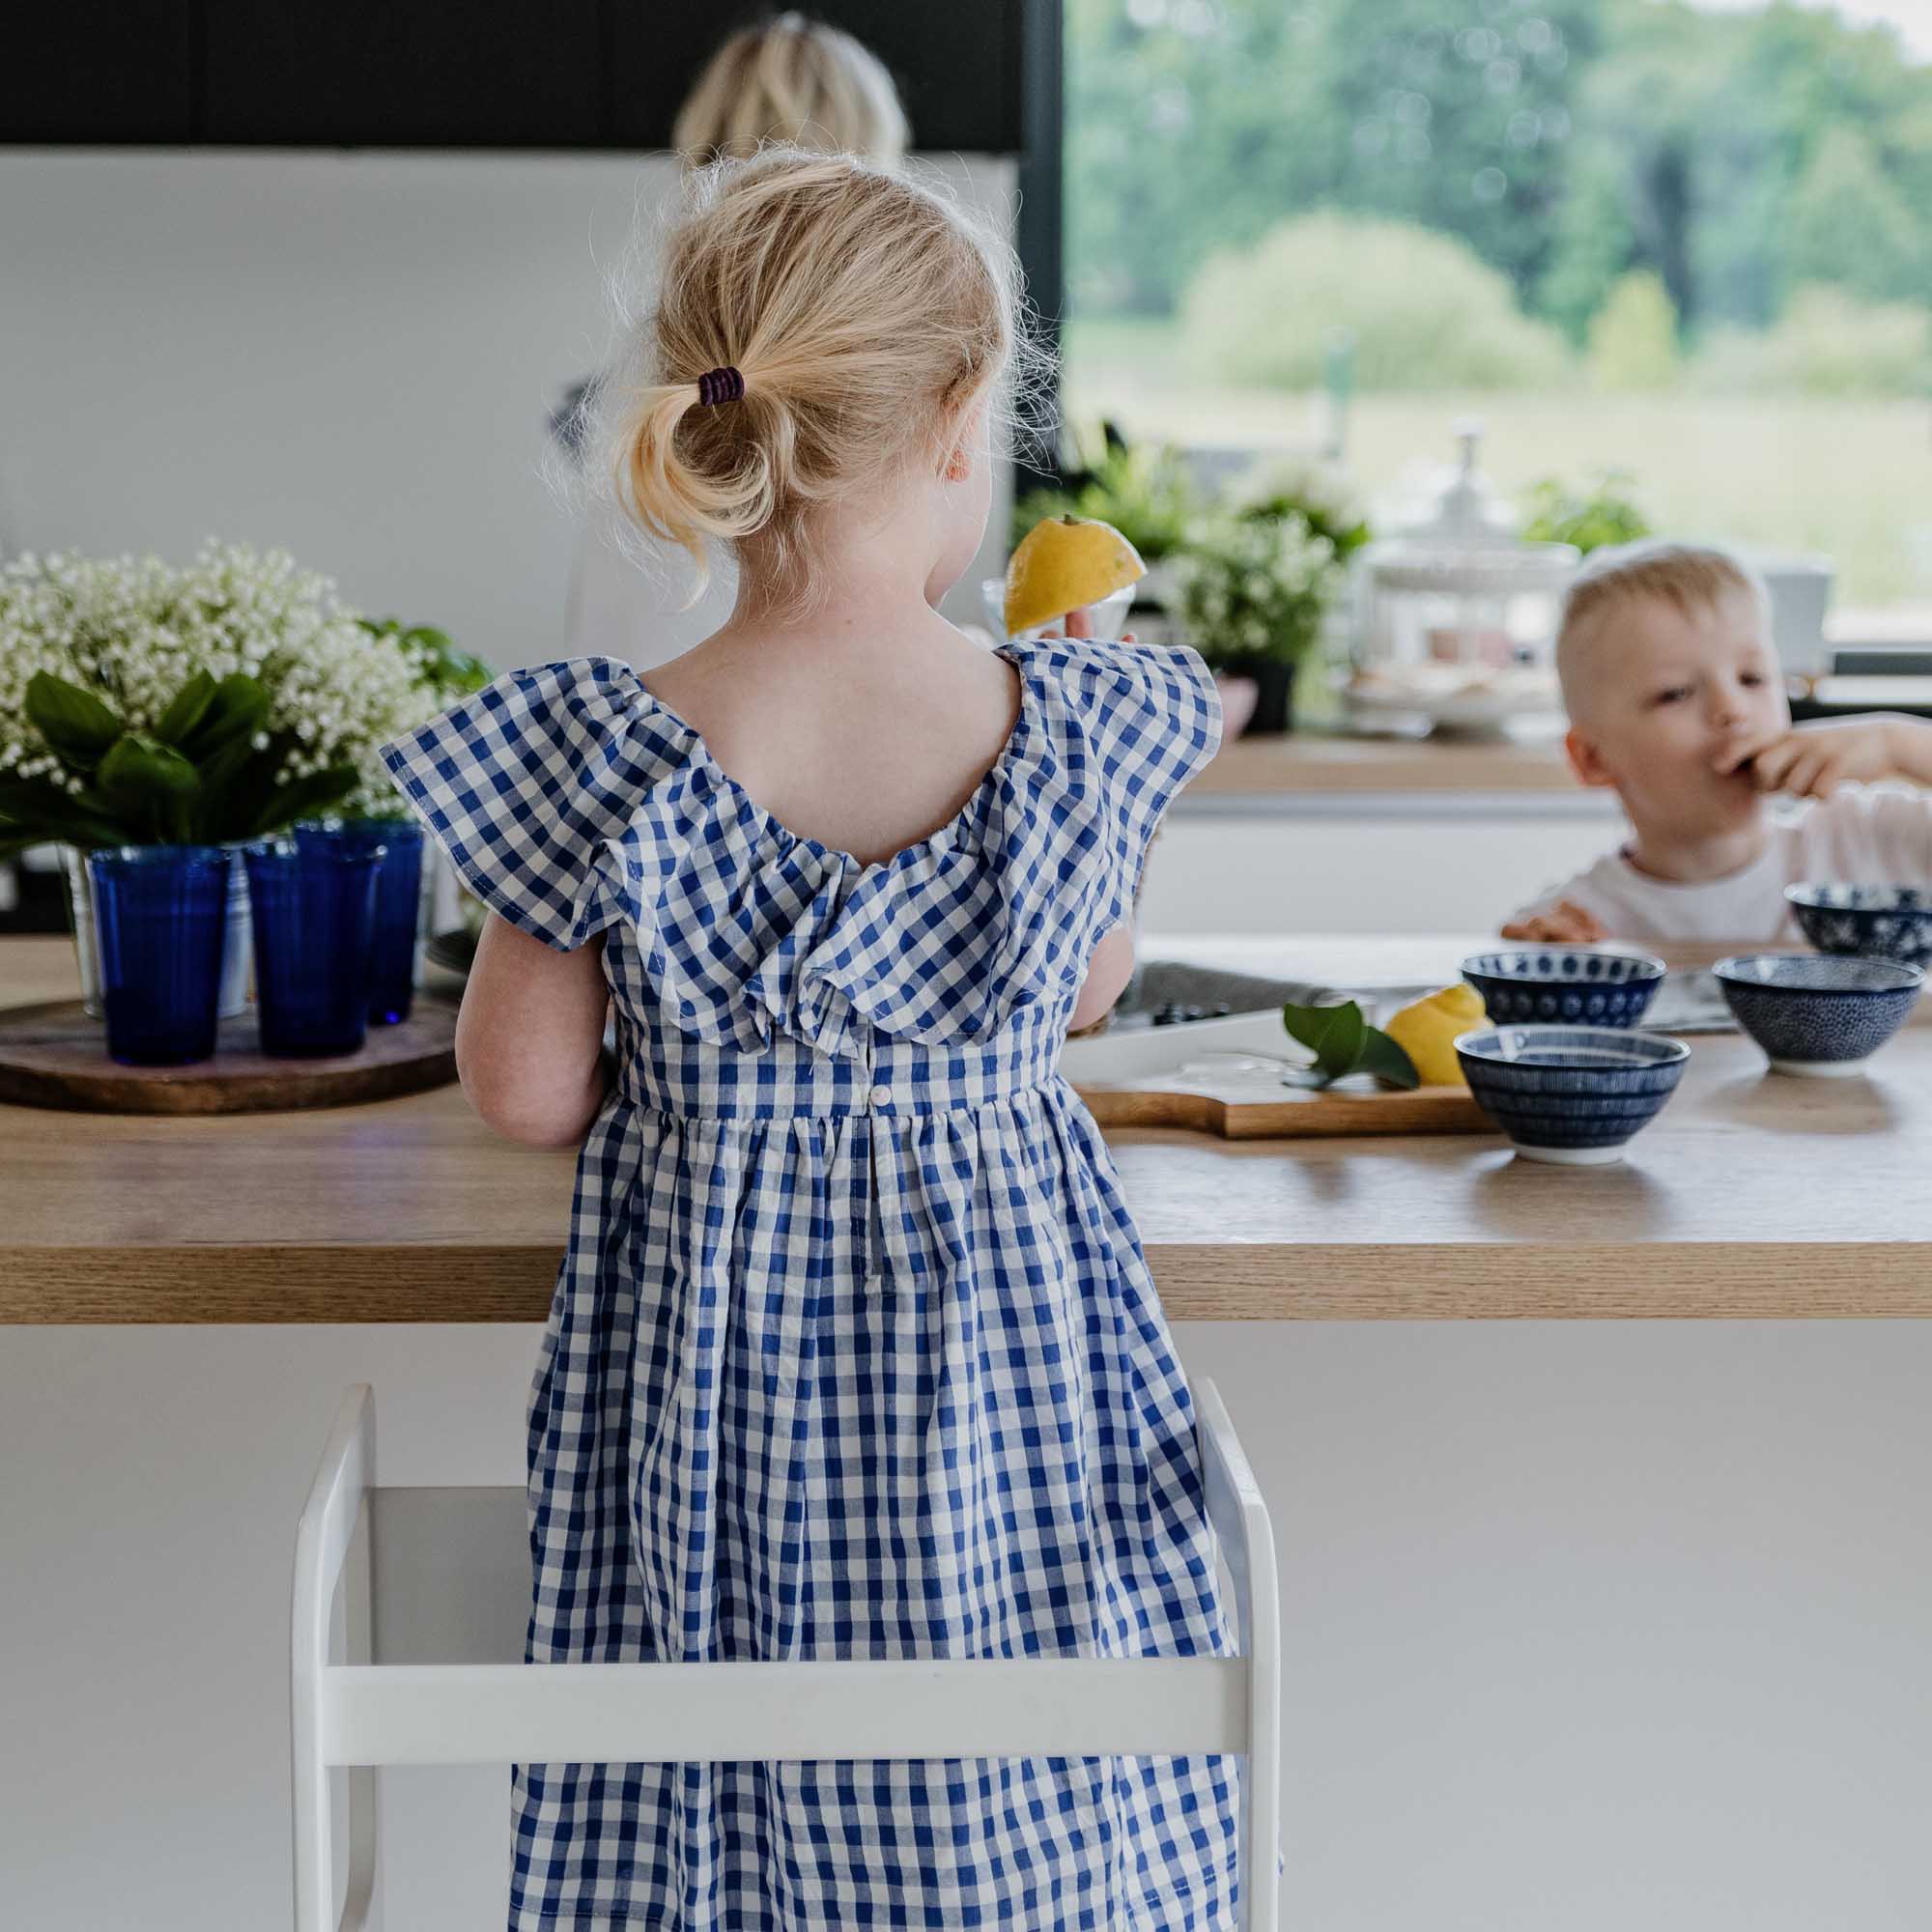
[791, 80]
[864, 311]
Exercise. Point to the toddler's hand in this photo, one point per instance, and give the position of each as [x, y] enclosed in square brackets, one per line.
[1812, 760]
[1564, 923]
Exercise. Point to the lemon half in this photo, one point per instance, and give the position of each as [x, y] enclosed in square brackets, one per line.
[1062, 564]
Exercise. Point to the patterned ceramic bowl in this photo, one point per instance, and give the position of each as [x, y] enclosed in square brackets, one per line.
[1875, 921]
[1571, 983]
[1818, 1015]
[1570, 1094]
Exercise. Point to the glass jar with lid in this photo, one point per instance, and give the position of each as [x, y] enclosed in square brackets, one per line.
[1454, 618]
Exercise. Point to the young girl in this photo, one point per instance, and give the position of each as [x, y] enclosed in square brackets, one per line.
[854, 1352]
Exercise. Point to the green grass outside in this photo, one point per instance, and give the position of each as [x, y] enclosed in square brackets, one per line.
[1849, 477]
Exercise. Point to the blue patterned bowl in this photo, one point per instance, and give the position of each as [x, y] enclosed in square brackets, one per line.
[1571, 1095]
[1874, 921]
[1818, 1015]
[1570, 984]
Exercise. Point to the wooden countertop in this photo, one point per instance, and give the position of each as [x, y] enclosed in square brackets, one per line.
[1754, 1195]
[1299, 762]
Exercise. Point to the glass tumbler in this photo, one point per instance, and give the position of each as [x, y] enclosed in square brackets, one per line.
[161, 916]
[392, 946]
[313, 907]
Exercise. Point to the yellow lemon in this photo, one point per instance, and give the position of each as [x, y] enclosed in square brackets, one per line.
[1426, 1029]
[1064, 563]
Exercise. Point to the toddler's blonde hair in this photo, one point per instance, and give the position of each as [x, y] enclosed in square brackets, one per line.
[791, 80]
[864, 310]
[1690, 578]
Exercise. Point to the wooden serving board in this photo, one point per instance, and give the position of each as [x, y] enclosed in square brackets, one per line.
[55, 1056]
[1231, 1077]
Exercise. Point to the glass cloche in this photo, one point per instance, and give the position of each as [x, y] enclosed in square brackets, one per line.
[1454, 618]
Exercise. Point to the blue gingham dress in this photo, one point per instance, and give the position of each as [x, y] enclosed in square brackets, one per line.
[854, 1352]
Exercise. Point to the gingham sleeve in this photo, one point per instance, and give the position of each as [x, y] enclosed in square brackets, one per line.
[1173, 731]
[527, 784]
[1162, 724]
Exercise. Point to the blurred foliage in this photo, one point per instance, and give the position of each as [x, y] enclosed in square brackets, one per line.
[1142, 489]
[445, 669]
[1633, 337]
[1264, 315]
[1828, 344]
[1735, 156]
[1603, 512]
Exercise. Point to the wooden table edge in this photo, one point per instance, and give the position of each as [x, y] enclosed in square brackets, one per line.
[1197, 1281]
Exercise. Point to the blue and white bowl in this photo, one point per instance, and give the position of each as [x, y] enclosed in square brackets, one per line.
[1568, 983]
[1818, 1014]
[1873, 922]
[1568, 1094]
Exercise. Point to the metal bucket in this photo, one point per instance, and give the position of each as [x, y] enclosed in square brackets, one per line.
[237, 963]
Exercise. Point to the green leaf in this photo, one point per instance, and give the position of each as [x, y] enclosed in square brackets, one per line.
[138, 770]
[76, 725]
[34, 811]
[236, 710]
[190, 707]
[150, 781]
[1387, 1061]
[303, 798]
[1334, 1035]
[215, 814]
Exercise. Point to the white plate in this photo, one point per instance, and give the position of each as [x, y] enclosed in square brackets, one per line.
[1464, 709]
[1139, 1053]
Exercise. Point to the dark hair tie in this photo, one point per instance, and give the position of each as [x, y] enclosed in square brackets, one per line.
[719, 386]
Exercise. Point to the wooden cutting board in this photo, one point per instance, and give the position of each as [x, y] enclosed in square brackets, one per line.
[1231, 1077]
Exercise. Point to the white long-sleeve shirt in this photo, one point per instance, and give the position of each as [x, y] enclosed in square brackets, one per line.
[1872, 836]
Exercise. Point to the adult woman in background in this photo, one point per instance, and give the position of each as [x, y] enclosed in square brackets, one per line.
[790, 79]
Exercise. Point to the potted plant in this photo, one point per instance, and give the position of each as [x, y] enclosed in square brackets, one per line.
[143, 704]
[1142, 489]
[1255, 591]
[1603, 512]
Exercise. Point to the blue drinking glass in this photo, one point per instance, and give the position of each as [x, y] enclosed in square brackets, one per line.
[392, 947]
[314, 910]
[160, 915]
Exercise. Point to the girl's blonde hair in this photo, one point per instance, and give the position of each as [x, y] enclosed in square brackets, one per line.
[864, 310]
[791, 80]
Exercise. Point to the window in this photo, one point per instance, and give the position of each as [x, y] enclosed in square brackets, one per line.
[1691, 243]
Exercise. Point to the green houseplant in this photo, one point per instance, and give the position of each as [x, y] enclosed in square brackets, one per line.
[1603, 511]
[1254, 593]
[145, 703]
[1142, 489]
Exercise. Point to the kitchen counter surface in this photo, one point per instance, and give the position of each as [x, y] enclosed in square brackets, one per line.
[1752, 1195]
[1247, 773]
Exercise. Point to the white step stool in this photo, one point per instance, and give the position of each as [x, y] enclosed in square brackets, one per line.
[437, 1605]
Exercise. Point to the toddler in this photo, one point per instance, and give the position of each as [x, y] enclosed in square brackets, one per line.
[1677, 703]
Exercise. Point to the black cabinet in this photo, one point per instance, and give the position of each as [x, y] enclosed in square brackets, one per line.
[103, 72]
[460, 74]
[402, 73]
[957, 66]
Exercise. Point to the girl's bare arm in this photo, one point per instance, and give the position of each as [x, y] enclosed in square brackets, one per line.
[529, 1038]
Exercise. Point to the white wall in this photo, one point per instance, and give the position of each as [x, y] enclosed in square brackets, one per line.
[1590, 1627]
[350, 354]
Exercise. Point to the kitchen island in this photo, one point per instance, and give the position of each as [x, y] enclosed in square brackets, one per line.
[1590, 1624]
[1752, 1195]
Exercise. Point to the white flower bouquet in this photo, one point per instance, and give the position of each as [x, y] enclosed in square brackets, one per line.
[143, 704]
[1256, 589]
